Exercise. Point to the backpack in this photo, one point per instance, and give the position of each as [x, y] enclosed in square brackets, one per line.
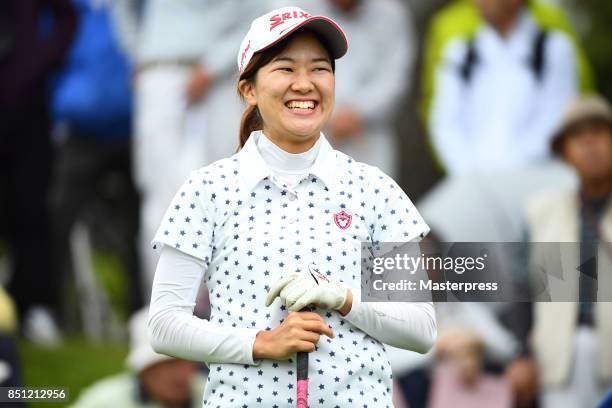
[536, 61]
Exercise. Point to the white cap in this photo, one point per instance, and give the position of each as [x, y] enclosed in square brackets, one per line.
[272, 27]
[141, 353]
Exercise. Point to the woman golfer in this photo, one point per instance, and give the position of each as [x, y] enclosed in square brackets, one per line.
[278, 227]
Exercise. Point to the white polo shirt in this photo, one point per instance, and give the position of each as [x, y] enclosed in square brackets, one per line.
[249, 229]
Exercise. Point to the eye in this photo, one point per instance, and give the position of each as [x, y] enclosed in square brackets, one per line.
[285, 69]
[322, 68]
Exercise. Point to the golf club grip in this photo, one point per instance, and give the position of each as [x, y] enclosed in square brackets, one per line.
[302, 374]
[302, 380]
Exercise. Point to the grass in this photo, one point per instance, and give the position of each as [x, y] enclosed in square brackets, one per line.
[76, 364]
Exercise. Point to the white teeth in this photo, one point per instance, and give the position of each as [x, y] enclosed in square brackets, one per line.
[301, 104]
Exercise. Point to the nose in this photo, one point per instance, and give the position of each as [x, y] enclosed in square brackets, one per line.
[302, 83]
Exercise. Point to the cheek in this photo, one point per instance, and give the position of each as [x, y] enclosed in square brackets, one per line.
[583, 156]
[601, 150]
[573, 156]
[327, 88]
[275, 94]
[269, 90]
[589, 158]
[331, 99]
[331, 86]
[607, 154]
[605, 145]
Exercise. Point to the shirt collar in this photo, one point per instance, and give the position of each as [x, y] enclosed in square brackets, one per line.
[253, 168]
[520, 38]
[326, 166]
[522, 35]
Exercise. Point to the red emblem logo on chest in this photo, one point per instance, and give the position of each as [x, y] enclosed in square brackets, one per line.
[343, 220]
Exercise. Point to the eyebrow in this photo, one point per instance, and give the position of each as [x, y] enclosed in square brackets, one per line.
[289, 59]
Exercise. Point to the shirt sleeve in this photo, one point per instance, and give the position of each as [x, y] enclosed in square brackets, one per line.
[188, 223]
[172, 327]
[396, 218]
[405, 325]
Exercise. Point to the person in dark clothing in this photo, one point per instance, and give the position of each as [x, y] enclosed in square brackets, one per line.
[28, 54]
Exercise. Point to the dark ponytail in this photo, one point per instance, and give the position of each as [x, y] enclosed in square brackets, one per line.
[251, 118]
[250, 121]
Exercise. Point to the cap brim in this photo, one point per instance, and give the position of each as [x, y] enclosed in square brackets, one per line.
[326, 27]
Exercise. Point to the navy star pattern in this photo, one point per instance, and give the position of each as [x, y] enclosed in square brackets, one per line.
[249, 238]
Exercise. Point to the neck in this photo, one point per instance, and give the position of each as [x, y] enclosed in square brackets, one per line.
[597, 188]
[505, 25]
[292, 146]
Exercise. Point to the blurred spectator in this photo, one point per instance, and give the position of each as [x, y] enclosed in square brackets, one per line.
[571, 340]
[472, 349]
[28, 54]
[459, 381]
[371, 79]
[10, 366]
[154, 380]
[92, 102]
[187, 110]
[8, 316]
[461, 18]
[499, 92]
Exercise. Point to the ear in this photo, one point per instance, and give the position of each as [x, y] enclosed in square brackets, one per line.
[247, 90]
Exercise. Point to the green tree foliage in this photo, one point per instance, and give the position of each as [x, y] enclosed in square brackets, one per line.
[597, 39]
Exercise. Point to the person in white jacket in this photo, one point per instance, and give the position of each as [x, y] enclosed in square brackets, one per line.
[500, 94]
[186, 102]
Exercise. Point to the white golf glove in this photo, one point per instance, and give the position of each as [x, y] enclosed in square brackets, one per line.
[310, 287]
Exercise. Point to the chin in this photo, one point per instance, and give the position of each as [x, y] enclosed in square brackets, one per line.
[303, 124]
[305, 132]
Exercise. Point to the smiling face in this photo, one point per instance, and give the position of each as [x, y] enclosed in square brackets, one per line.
[294, 93]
